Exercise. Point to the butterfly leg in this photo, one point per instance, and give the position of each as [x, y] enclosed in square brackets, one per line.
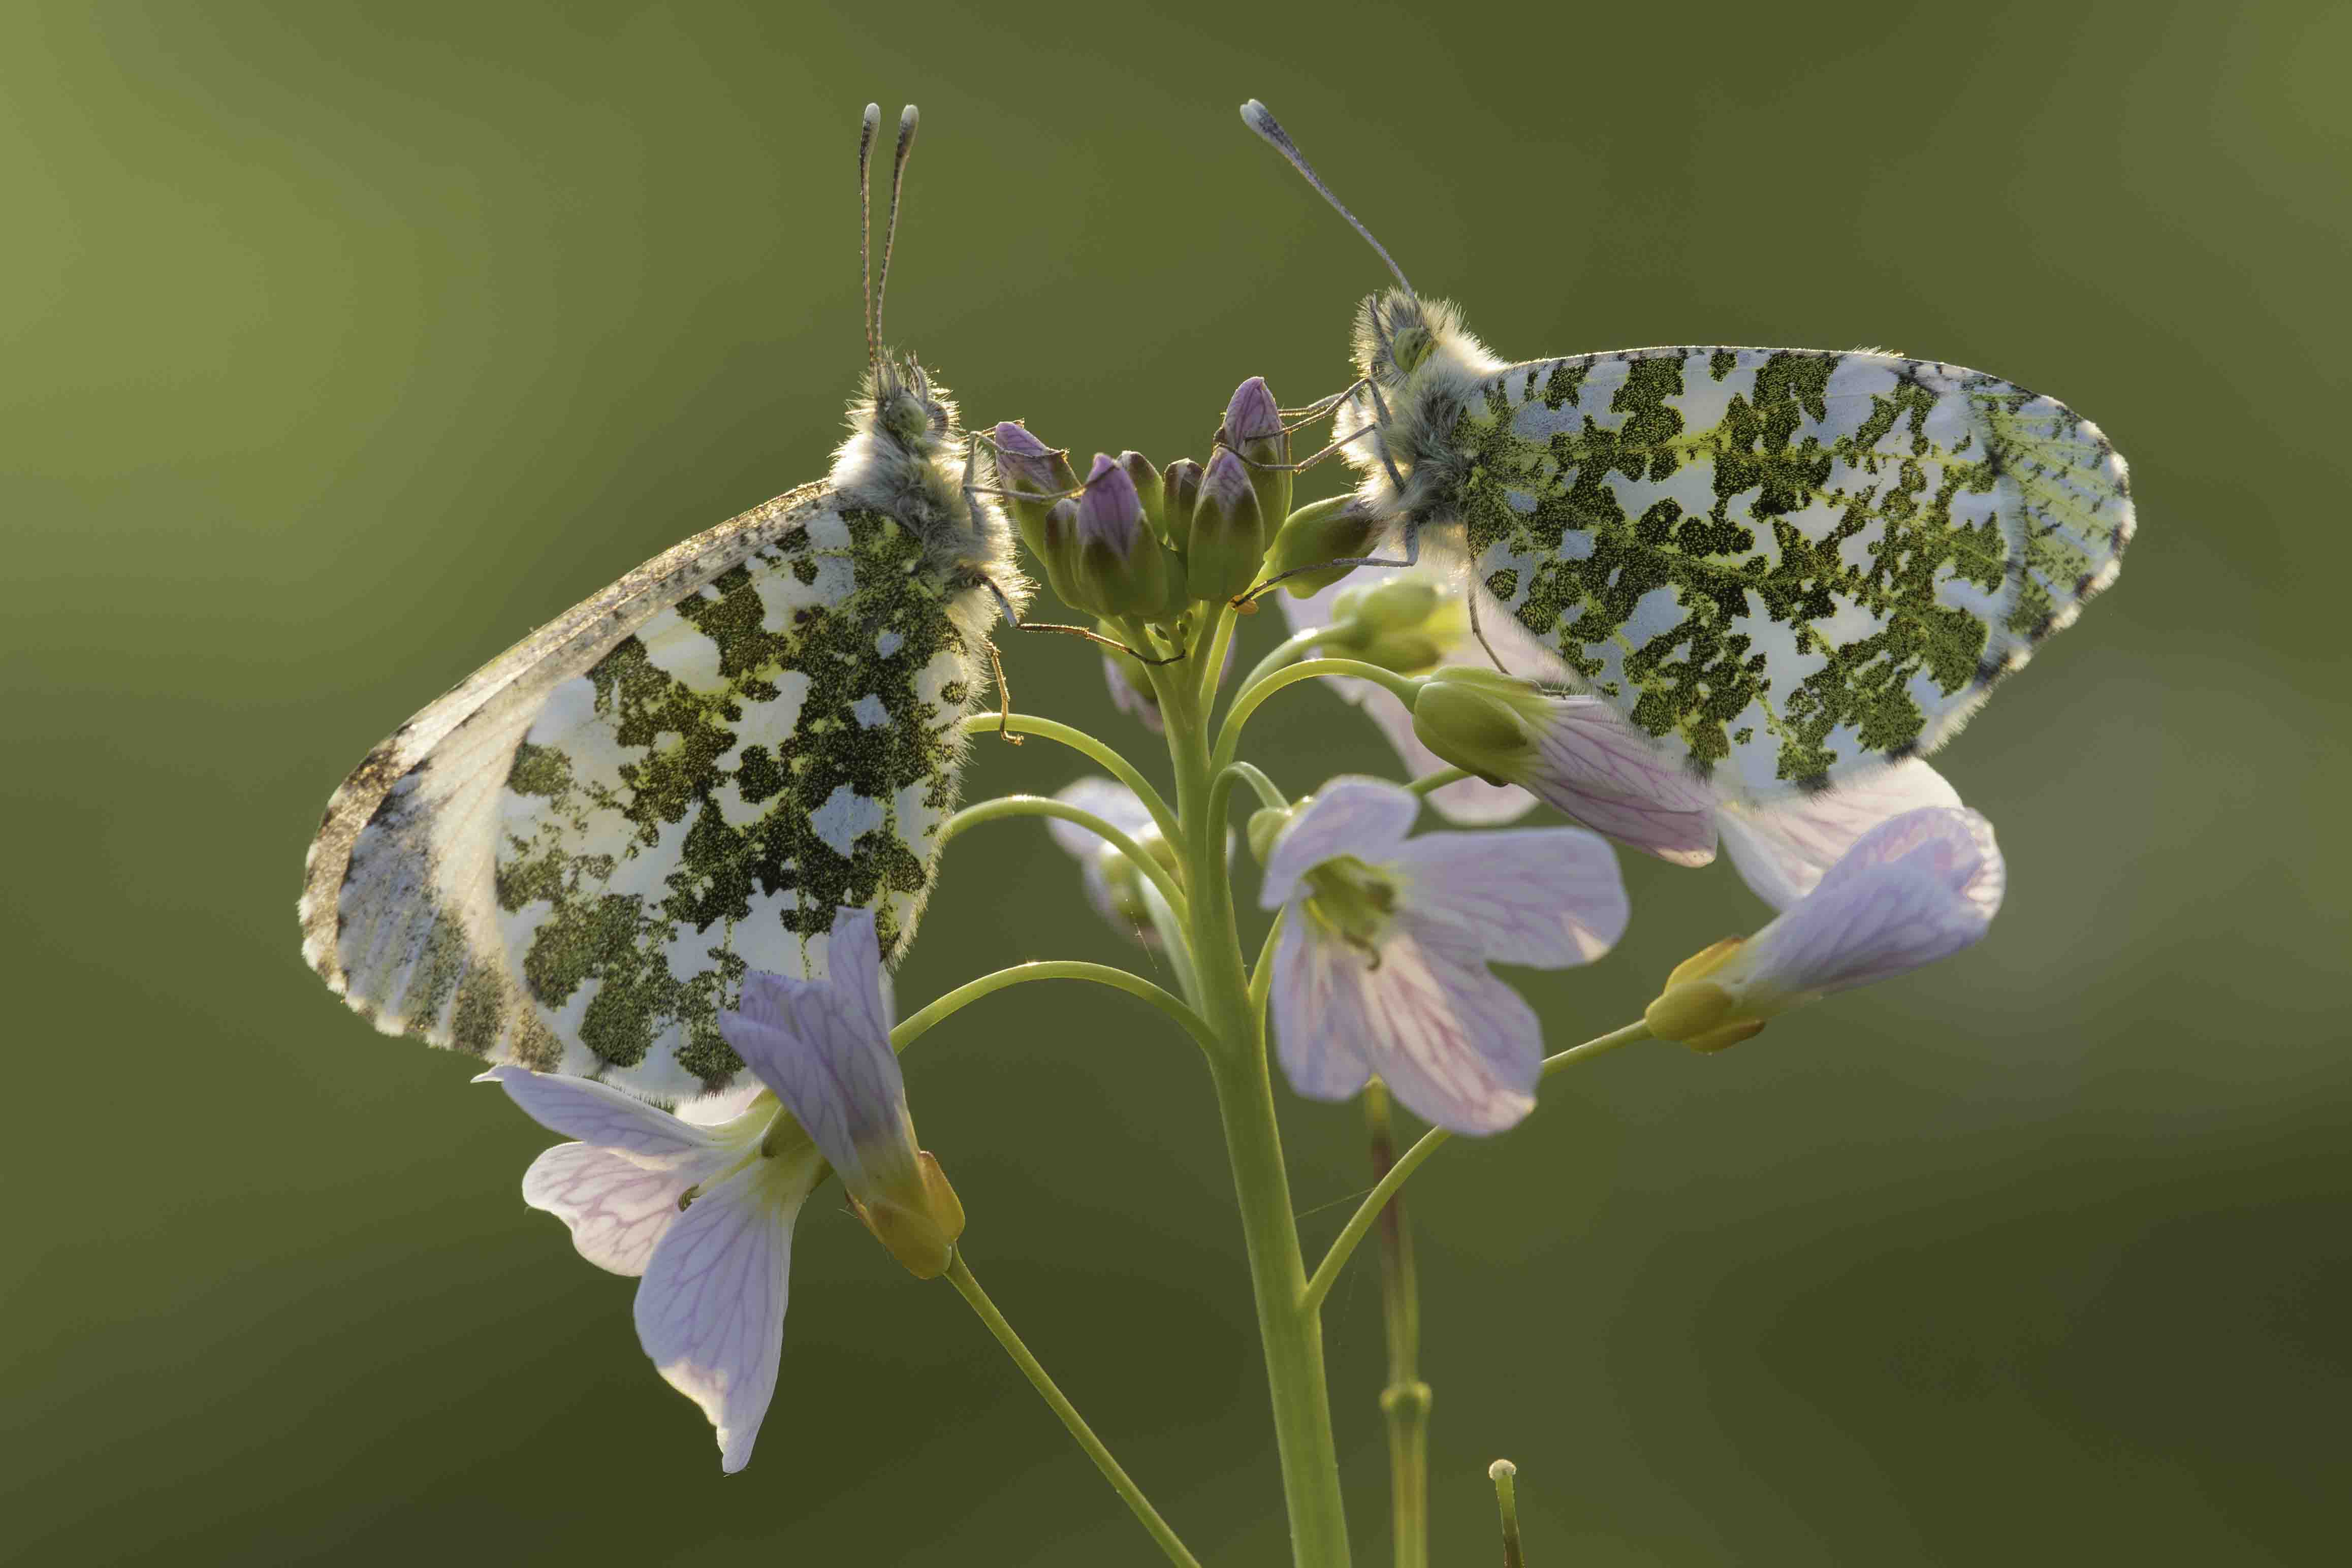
[1014, 620]
[1412, 556]
[1470, 597]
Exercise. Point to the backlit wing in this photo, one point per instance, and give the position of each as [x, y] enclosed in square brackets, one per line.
[570, 860]
[1786, 565]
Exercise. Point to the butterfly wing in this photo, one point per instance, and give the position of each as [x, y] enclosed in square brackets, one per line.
[570, 860]
[1783, 565]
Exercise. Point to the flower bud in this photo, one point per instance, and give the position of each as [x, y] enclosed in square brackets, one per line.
[1479, 720]
[1149, 487]
[1123, 566]
[1057, 548]
[1266, 825]
[1329, 530]
[1227, 544]
[917, 1217]
[1253, 428]
[1401, 621]
[1179, 492]
[1027, 465]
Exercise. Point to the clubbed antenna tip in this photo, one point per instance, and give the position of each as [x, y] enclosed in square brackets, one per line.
[1261, 119]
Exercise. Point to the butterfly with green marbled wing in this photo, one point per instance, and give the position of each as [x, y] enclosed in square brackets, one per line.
[571, 860]
[1784, 567]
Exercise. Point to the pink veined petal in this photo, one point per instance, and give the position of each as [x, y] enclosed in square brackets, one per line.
[824, 1048]
[1783, 850]
[616, 1210]
[1550, 897]
[1112, 801]
[710, 1310]
[1124, 697]
[1454, 1045]
[600, 1114]
[1318, 1012]
[1917, 888]
[1593, 767]
[1351, 815]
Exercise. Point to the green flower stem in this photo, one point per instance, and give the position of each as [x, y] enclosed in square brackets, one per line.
[915, 1026]
[1290, 1333]
[960, 1275]
[1290, 648]
[1005, 805]
[1268, 794]
[1078, 740]
[1439, 779]
[1505, 1475]
[1216, 636]
[1247, 701]
[1404, 1403]
[1431, 1142]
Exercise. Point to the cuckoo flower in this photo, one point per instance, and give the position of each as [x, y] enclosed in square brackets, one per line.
[1913, 889]
[1382, 962]
[705, 1213]
[1118, 891]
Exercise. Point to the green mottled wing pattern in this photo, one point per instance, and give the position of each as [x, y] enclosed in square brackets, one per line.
[1786, 565]
[571, 860]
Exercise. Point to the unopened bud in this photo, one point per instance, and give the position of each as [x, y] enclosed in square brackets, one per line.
[1148, 485]
[1253, 428]
[1057, 548]
[1032, 469]
[1477, 719]
[1266, 825]
[1123, 566]
[1329, 530]
[1227, 545]
[1400, 622]
[1179, 492]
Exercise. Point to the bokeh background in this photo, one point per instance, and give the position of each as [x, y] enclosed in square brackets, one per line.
[342, 345]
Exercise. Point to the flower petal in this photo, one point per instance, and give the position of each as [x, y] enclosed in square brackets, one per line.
[1107, 797]
[600, 1114]
[1454, 1045]
[1351, 815]
[1913, 889]
[617, 1209]
[823, 1046]
[711, 1312]
[1595, 767]
[1550, 897]
[1319, 1006]
[1782, 850]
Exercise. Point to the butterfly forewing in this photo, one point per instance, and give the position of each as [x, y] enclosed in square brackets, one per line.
[573, 867]
[1786, 565]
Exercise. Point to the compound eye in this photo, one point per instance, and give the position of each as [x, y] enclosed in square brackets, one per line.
[1412, 346]
[906, 417]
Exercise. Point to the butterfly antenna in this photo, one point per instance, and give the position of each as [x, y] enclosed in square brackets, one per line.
[1258, 118]
[907, 120]
[866, 219]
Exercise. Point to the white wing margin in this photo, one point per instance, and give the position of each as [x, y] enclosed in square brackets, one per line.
[397, 911]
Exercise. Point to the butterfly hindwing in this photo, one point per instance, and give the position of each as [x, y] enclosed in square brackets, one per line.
[569, 862]
[1785, 566]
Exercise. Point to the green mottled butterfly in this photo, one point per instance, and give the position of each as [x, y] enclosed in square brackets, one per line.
[1784, 566]
[571, 860]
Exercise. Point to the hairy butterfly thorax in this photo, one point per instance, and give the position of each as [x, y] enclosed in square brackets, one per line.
[1784, 567]
[573, 859]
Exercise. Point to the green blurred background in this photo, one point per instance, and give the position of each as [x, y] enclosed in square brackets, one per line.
[341, 346]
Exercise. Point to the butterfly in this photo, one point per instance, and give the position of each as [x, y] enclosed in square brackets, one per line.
[1785, 567]
[571, 860]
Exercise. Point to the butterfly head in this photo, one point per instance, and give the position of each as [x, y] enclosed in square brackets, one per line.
[900, 406]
